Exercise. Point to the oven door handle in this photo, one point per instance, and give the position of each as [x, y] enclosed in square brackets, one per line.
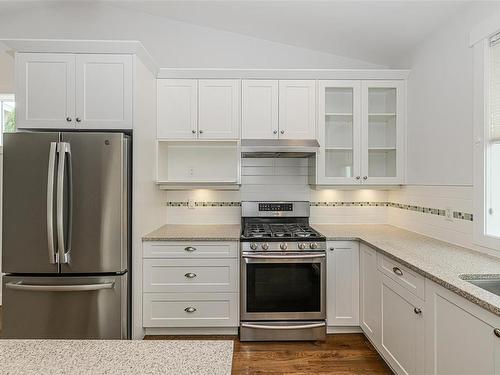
[301, 326]
[295, 256]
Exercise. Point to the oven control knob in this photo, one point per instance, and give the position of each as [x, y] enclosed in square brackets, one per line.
[283, 246]
[253, 246]
[313, 245]
[301, 245]
[265, 246]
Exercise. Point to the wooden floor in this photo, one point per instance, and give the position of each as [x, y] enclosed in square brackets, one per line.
[342, 354]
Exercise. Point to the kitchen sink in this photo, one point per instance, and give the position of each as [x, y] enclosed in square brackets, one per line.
[491, 283]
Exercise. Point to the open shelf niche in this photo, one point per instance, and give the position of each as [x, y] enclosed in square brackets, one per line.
[185, 165]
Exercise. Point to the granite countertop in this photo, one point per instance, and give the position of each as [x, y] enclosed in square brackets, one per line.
[173, 232]
[120, 357]
[437, 260]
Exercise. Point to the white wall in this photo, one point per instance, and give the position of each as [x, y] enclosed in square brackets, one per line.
[6, 71]
[440, 102]
[171, 43]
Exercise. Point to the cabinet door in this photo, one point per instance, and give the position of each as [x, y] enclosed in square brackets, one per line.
[177, 109]
[219, 109]
[369, 278]
[459, 338]
[342, 283]
[104, 91]
[383, 129]
[45, 91]
[402, 329]
[339, 132]
[259, 117]
[297, 109]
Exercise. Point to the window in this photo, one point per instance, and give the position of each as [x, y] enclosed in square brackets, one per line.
[7, 115]
[492, 144]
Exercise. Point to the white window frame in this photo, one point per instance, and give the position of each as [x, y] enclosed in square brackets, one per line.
[4, 98]
[480, 41]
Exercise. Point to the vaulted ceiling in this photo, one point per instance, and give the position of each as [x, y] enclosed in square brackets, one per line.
[375, 31]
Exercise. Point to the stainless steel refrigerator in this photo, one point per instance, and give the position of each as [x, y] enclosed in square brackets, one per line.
[66, 235]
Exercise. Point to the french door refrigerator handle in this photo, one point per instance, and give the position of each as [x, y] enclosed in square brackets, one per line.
[62, 245]
[59, 288]
[53, 256]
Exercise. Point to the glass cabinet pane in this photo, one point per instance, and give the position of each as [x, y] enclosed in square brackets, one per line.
[382, 129]
[339, 131]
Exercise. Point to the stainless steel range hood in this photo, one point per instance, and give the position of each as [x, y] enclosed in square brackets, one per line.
[278, 148]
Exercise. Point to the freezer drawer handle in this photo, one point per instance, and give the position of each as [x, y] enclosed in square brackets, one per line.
[301, 326]
[59, 288]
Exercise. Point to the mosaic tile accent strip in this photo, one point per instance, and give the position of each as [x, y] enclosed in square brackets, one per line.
[203, 204]
[401, 206]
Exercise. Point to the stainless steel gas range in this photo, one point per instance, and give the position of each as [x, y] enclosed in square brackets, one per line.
[283, 273]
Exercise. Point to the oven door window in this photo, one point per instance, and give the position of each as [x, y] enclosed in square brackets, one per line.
[283, 287]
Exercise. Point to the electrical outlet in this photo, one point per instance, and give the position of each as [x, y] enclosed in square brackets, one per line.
[191, 171]
[448, 213]
[191, 203]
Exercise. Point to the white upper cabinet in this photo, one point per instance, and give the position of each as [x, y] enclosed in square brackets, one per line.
[383, 132]
[69, 91]
[219, 109]
[361, 127]
[297, 109]
[339, 125]
[45, 90]
[259, 109]
[342, 286]
[177, 109]
[104, 91]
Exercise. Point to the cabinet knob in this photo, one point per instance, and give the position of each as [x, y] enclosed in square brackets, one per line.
[193, 131]
[275, 132]
[201, 131]
[417, 311]
[190, 275]
[190, 248]
[496, 331]
[365, 178]
[358, 177]
[78, 119]
[68, 119]
[332, 248]
[397, 271]
[282, 132]
[190, 309]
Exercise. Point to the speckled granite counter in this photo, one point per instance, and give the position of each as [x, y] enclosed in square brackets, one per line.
[172, 232]
[439, 261]
[112, 357]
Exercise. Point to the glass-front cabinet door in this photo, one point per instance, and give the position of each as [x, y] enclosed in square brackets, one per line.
[339, 157]
[382, 132]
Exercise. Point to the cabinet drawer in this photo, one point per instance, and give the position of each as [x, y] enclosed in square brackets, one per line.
[408, 279]
[195, 249]
[190, 275]
[190, 310]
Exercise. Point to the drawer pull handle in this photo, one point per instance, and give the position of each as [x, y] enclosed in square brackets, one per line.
[397, 271]
[190, 309]
[496, 331]
[417, 311]
[190, 275]
[190, 248]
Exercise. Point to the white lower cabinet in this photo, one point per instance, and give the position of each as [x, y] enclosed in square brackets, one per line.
[459, 335]
[370, 297]
[190, 284]
[190, 310]
[342, 288]
[402, 328]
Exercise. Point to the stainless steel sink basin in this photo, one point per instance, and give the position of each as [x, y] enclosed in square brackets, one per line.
[491, 283]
